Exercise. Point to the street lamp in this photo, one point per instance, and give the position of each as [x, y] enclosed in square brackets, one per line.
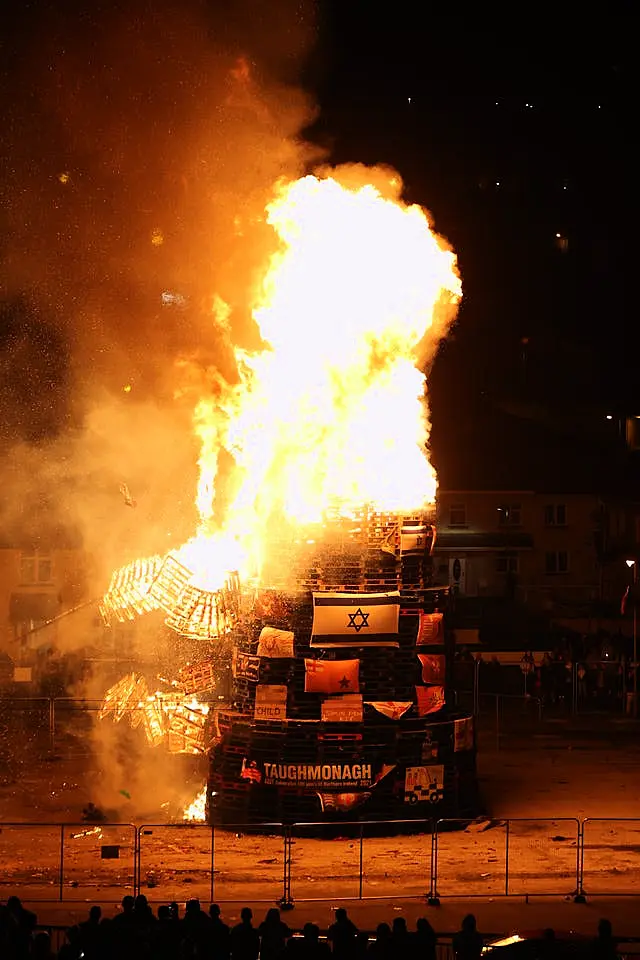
[634, 566]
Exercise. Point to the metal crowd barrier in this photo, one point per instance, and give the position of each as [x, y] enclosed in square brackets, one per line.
[306, 862]
[585, 686]
[71, 859]
[498, 858]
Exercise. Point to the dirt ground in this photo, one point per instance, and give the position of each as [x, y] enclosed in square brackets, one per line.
[543, 782]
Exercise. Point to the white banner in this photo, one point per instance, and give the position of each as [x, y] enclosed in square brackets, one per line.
[355, 619]
[413, 540]
[424, 784]
[275, 643]
[346, 709]
[271, 702]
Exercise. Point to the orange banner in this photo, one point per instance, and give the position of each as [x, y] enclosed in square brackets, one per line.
[430, 699]
[331, 676]
[430, 629]
[433, 667]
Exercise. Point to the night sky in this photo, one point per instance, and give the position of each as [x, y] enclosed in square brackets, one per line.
[517, 132]
[510, 131]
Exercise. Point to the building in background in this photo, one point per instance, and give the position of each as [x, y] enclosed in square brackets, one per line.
[522, 562]
[51, 632]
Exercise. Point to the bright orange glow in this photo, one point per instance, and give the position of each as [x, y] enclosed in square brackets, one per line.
[174, 719]
[196, 810]
[331, 415]
[332, 412]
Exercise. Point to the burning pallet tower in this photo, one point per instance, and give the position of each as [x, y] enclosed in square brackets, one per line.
[341, 662]
[341, 701]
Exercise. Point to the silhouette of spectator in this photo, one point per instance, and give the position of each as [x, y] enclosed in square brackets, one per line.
[166, 935]
[41, 949]
[244, 938]
[195, 927]
[143, 922]
[549, 945]
[72, 949]
[90, 933]
[219, 934]
[124, 921]
[309, 946]
[105, 942]
[141, 908]
[274, 934]
[400, 937]
[605, 946]
[23, 917]
[362, 945]
[130, 928]
[582, 682]
[425, 940]
[382, 947]
[467, 943]
[21, 923]
[342, 935]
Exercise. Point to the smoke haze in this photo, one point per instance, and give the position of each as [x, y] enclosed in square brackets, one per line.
[142, 144]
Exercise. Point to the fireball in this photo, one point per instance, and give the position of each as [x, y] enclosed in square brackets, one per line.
[331, 415]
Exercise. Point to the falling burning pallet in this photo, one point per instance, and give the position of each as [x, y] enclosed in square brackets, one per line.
[367, 553]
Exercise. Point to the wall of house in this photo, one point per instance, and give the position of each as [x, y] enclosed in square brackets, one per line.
[543, 546]
[36, 584]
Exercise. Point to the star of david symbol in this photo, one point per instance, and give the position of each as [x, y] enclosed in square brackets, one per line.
[359, 624]
[344, 683]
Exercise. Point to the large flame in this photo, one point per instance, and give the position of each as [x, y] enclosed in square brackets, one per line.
[332, 412]
[197, 809]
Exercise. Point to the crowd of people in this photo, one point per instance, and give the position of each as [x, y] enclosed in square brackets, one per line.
[136, 933]
[603, 678]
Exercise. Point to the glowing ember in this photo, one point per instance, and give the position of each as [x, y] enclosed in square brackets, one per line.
[196, 810]
[89, 832]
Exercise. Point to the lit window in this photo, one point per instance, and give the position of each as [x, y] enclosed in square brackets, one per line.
[457, 515]
[35, 566]
[509, 515]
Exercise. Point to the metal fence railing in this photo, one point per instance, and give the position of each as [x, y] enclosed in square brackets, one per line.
[604, 875]
[63, 724]
[514, 857]
[66, 861]
[558, 687]
[49, 724]
[303, 862]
